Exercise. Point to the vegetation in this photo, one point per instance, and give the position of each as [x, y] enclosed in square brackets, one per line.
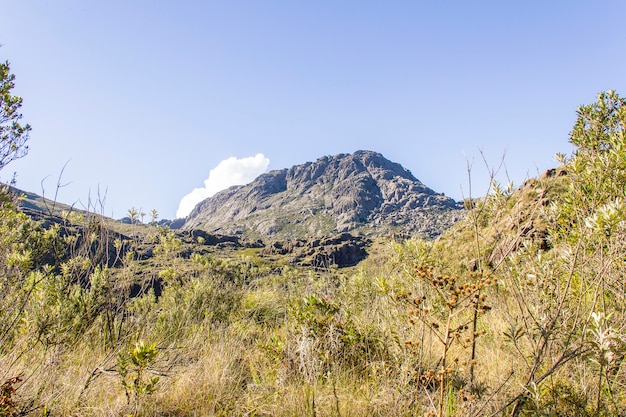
[518, 311]
[13, 135]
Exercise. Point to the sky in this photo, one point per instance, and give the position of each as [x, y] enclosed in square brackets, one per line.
[139, 103]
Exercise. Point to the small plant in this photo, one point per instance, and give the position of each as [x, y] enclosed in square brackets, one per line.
[7, 404]
[154, 216]
[169, 244]
[607, 347]
[133, 368]
[448, 310]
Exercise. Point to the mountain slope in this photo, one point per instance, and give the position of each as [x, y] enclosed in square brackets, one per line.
[346, 192]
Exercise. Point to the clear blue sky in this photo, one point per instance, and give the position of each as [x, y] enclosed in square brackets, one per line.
[144, 98]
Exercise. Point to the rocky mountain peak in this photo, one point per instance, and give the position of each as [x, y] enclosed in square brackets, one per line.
[334, 194]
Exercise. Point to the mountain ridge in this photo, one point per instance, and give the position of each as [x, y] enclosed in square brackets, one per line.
[359, 192]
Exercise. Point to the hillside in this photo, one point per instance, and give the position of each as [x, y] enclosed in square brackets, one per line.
[359, 192]
[516, 310]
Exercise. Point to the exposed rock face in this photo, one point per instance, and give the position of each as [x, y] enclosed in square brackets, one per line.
[341, 250]
[334, 194]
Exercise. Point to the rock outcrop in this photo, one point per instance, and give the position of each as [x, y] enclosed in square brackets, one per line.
[342, 250]
[335, 194]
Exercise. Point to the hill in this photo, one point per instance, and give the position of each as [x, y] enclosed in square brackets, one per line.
[360, 192]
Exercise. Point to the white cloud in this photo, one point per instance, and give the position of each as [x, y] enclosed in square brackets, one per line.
[231, 171]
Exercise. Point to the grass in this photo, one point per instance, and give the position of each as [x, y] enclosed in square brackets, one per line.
[237, 337]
